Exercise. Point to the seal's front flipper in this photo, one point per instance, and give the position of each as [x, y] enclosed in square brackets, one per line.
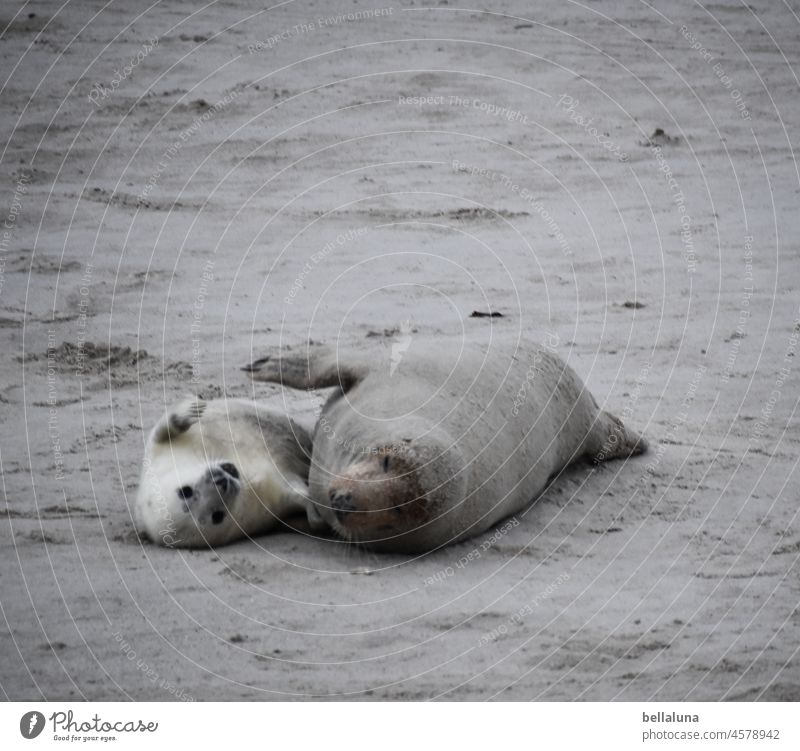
[612, 440]
[297, 497]
[314, 368]
[179, 419]
[315, 521]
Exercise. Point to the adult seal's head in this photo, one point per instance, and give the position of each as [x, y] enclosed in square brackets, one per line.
[389, 491]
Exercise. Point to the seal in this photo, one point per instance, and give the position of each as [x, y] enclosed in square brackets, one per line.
[217, 471]
[424, 449]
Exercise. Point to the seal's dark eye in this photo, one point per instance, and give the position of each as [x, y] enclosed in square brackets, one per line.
[186, 492]
[386, 463]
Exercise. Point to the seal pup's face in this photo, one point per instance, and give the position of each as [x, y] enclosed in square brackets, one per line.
[190, 505]
[378, 497]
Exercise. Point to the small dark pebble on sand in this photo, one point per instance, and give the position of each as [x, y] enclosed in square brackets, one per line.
[481, 314]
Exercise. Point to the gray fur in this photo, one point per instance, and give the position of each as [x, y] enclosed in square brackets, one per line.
[488, 426]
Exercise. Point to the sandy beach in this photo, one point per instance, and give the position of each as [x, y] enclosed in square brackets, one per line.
[186, 186]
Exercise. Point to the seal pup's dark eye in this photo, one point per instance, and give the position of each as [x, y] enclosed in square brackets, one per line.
[386, 463]
[186, 492]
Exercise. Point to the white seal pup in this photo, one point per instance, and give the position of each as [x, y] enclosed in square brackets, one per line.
[217, 471]
[457, 438]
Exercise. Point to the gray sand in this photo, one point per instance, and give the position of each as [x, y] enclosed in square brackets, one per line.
[248, 182]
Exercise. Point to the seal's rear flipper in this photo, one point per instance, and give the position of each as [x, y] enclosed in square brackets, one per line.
[612, 440]
[313, 368]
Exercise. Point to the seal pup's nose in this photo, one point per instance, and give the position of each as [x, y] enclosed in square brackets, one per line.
[230, 469]
[225, 477]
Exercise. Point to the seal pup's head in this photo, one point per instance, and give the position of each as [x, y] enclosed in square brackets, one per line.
[218, 471]
[187, 501]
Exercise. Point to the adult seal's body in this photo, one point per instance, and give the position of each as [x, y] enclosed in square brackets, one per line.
[428, 447]
[221, 470]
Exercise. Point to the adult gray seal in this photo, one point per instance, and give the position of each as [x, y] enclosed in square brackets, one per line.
[217, 471]
[426, 447]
